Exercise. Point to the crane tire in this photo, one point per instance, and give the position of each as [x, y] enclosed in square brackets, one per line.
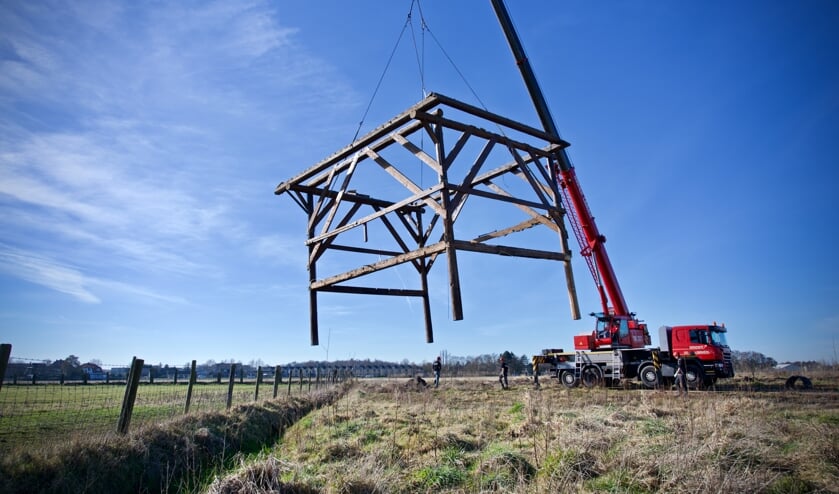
[805, 382]
[591, 376]
[569, 379]
[698, 376]
[649, 376]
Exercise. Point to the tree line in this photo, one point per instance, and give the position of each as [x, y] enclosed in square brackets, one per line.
[72, 368]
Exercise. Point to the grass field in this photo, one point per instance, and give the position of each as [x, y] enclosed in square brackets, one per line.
[469, 435]
[472, 436]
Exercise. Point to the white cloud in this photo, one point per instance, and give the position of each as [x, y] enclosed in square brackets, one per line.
[41, 271]
[121, 130]
[67, 279]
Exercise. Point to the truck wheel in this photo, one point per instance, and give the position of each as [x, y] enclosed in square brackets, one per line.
[649, 376]
[569, 379]
[591, 376]
[695, 376]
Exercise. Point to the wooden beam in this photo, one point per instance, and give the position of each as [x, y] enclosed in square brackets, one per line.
[393, 207]
[352, 197]
[437, 119]
[429, 102]
[524, 225]
[377, 266]
[498, 119]
[503, 250]
[502, 198]
[363, 290]
[363, 250]
[404, 180]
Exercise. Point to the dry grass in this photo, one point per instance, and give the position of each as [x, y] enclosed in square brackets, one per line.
[471, 436]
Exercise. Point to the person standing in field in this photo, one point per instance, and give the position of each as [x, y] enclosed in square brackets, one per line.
[681, 376]
[502, 374]
[437, 366]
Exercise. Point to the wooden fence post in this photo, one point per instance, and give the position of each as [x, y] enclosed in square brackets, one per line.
[300, 376]
[278, 378]
[130, 394]
[192, 377]
[258, 380]
[5, 352]
[230, 384]
[290, 372]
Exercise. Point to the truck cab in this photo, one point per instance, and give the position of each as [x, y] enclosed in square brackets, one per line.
[704, 346]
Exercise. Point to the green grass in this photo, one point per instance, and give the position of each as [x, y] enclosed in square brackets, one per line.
[182, 454]
[32, 415]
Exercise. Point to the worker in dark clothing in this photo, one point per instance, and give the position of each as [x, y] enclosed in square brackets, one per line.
[681, 376]
[502, 374]
[437, 366]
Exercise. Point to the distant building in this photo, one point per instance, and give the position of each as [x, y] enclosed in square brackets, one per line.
[788, 367]
[93, 372]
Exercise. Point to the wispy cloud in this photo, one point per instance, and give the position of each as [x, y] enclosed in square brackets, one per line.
[45, 272]
[124, 132]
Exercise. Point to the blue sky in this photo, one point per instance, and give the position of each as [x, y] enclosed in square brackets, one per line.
[140, 144]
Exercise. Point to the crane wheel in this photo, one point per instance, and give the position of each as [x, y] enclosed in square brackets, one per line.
[649, 376]
[569, 379]
[591, 376]
[695, 376]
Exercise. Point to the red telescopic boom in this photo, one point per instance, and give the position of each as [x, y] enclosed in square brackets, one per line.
[591, 241]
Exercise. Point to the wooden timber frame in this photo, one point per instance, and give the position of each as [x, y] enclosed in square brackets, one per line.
[333, 209]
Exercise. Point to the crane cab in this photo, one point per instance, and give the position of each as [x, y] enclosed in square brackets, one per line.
[613, 331]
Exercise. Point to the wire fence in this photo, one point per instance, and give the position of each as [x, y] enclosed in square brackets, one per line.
[40, 404]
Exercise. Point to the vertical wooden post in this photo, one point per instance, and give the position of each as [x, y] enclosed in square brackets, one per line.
[258, 380]
[278, 378]
[290, 371]
[5, 353]
[313, 276]
[131, 386]
[192, 378]
[569, 272]
[448, 227]
[230, 384]
[423, 269]
[300, 376]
